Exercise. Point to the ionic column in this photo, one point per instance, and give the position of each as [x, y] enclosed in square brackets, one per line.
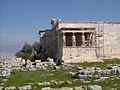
[83, 39]
[73, 40]
[64, 39]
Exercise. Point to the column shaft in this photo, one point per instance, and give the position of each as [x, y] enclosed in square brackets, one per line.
[83, 39]
[73, 40]
[64, 39]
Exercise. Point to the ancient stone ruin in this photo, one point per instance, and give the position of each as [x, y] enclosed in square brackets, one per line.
[81, 41]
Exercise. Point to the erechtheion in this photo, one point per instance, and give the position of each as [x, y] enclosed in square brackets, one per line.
[74, 42]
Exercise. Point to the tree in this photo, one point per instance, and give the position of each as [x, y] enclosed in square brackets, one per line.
[32, 52]
[39, 52]
[27, 48]
[25, 53]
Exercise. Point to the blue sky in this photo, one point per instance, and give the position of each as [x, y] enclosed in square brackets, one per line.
[20, 20]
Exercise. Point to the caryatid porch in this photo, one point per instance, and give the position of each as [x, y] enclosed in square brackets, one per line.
[77, 44]
[79, 37]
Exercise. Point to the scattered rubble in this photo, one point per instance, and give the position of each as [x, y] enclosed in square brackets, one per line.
[27, 87]
[81, 74]
[10, 88]
[94, 72]
[90, 87]
[94, 87]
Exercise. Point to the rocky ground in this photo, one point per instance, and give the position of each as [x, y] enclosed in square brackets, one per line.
[82, 76]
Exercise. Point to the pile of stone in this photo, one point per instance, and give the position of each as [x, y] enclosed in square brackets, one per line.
[111, 65]
[90, 87]
[94, 87]
[85, 72]
[12, 62]
[30, 66]
[10, 88]
[27, 87]
[114, 68]
[5, 72]
[63, 67]
[1, 88]
[38, 65]
[94, 72]
[54, 82]
[21, 62]
[22, 65]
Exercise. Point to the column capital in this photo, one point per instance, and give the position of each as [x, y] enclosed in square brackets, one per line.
[73, 33]
[63, 33]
